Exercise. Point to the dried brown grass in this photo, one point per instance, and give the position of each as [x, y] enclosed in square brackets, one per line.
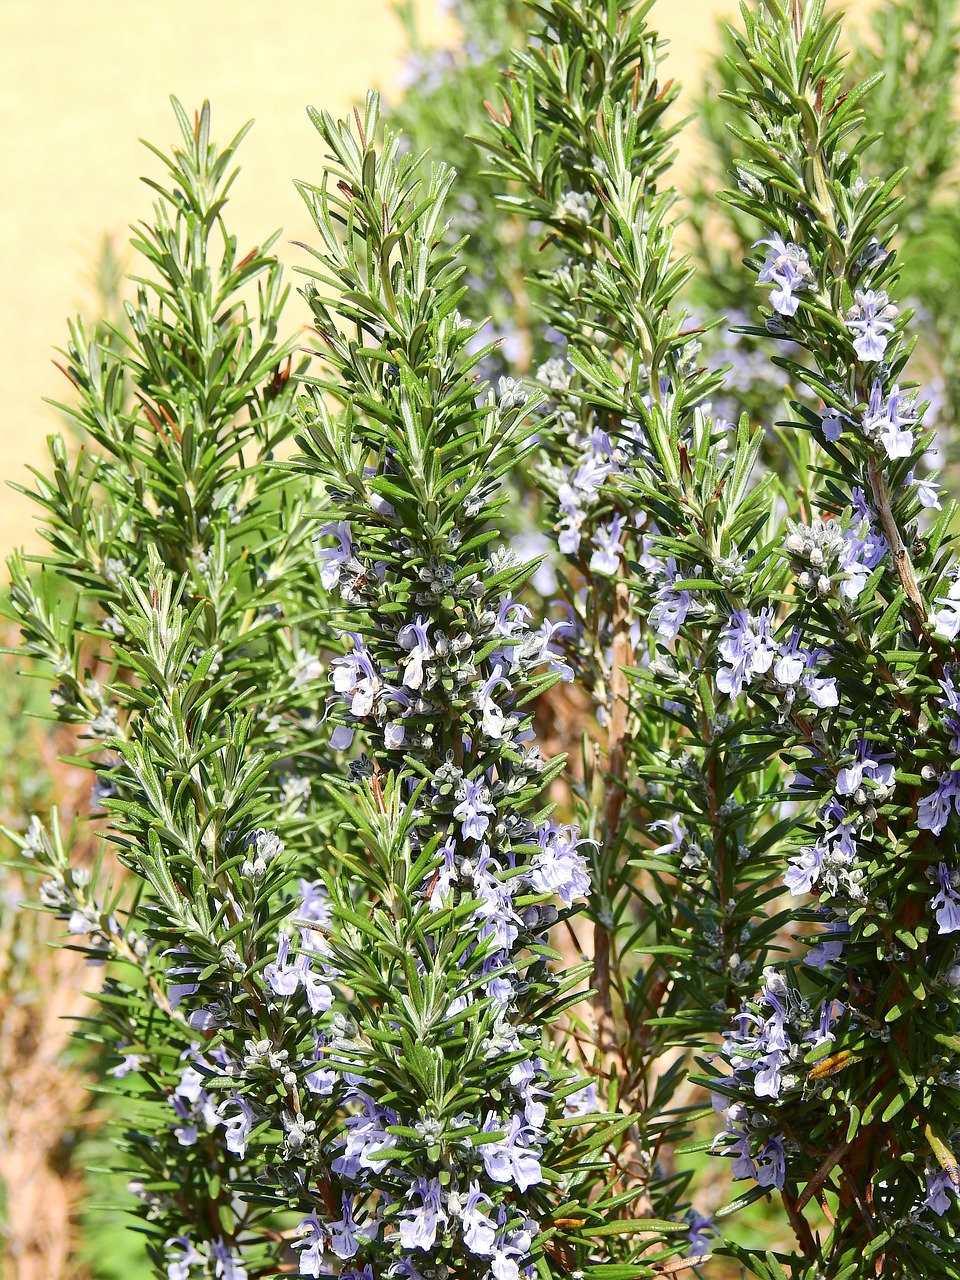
[44, 1103]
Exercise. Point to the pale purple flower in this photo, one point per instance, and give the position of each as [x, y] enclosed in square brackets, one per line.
[192, 1104]
[313, 910]
[322, 1080]
[559, 868]
[419, 1226]
[227, 1265]
[493, 719]
[103, 789]
[761, 1044]
[822, 690]
[82, 921]
[607, 548]
[176, 991]
[499, 985]
[946, 902]
[332, 559]
[866, 767]
[190, 1087]
[582, 1102]
[803, 871]
[928, 491]
[511, 617]
[500, 989]
[670, 611]
[939, 1190]
[237, 1126]
[129, 1062]
[799, 666]
[413, 637]
[366, 1137]
[571, 520]
[180, 1256]
[311, 1244]
[283, 976]
[829, 949]
[442, 892]
[772, 1166]
[699, 1233]
[511, 1158]
[744, 1165]
[933, 812]
[186, 1133]
[790, 666]
[402, 1267]
[832, 425]
[457, 1005]
[888, 422]
[747, 648]
[837, 843]
[842, 835]
[318, 992]
[532, 545]
[496, 916]
[677, 832]
[305, 668]
[346, 1238]
[946, 621]
[523, 1078]
[479, 1231]
[599, 443]
[788, 268]
[355, 678]
[474, 808]
[549, 652]
[831, 1011]
[951, 702]
[341, 738]
[736, 1116]
[864, 548]
[871, 318]
[509, 1247]
[590, 475]
[768, 1080]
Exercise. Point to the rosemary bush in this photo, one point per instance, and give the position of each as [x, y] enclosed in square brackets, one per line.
[536, 788]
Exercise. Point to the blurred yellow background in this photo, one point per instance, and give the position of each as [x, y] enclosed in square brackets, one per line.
[80, 82]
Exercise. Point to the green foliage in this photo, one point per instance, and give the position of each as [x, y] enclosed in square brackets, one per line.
[442, 107]
[359, 1017]
[178, 563]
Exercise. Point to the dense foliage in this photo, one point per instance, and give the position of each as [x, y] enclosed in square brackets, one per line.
[526, 731]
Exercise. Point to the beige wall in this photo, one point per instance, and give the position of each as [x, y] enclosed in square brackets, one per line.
[82, 80]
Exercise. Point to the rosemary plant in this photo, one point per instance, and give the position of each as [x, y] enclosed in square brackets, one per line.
[391, 988]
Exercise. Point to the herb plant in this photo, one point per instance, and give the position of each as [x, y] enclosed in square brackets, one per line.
[393, 987]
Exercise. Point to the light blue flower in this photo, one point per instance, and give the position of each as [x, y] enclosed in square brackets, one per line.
[419, 1226]
[788, 268]
[871, 318]
[512, 1158]
[473, 809]
[946, 902]
[479, 1230]
[332, 559]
